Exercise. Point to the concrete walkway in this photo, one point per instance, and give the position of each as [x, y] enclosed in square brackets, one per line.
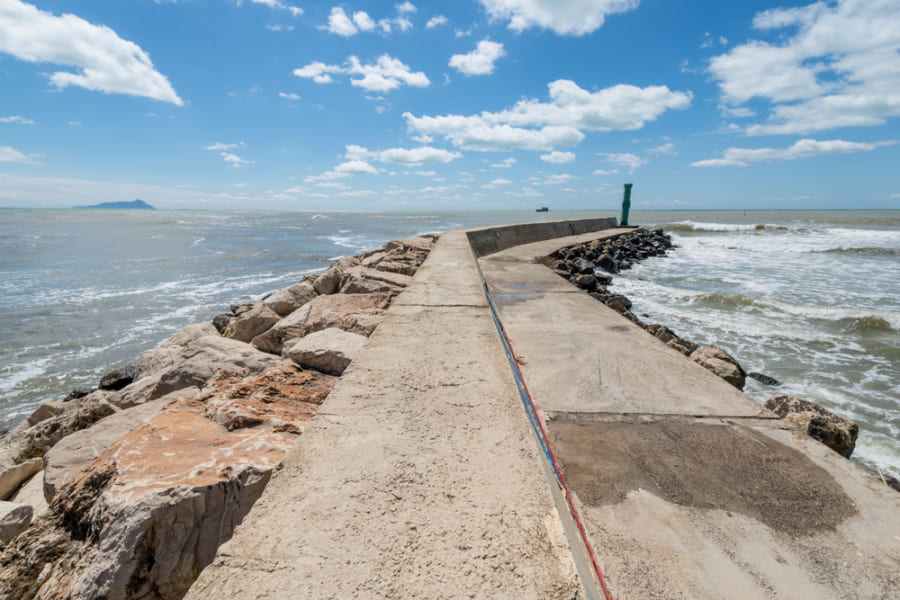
[689, 489]
[418, 478]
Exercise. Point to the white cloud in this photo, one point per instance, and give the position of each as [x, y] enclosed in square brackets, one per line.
[385, 74]
[345, 169]
[405, 8]
[504, 164]
[667, 148]
[426, 173]
[103, 61]
[339, 23]
[565, 17]
[558, 179]
[289, 96]
[423, 139]
[535, 125]
[839, 67]
[296, 11]
[496, 183]
[9, 154]
[219, 146]
[436, 21]
[363, 21]
[630, 161]
[807, 148]
[280, 27]
[479, 61]
[740, 112]
[16, 119]
[234, 161]
[605, 172]
[558, 158]
[424, 155]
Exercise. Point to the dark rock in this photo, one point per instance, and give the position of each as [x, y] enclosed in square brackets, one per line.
[892, 482]
[118, 379]
[833, 430]
[608, 264]
[619, 303]
[77, 393]
[221, 321]
[582, 265]
[765, 379]
[586, 282]
[602, 278]
[239, 309]
[664, 334]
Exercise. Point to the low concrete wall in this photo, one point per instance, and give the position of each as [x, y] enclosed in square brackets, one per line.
[494, 239]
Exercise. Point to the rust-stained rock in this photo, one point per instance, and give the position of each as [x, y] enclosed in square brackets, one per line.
[833, 430]
[356, 313]
[146, 516]
[721, 363]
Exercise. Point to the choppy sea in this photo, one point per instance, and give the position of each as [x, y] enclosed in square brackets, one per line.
[811, 298]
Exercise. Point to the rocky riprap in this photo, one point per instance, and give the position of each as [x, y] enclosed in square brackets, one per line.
[128, 490]
[591, 266]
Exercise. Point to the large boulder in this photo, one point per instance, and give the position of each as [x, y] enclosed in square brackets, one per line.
[147, 515]
[14, 519]
[251, 323]
[13, 474]
[32, 494]
[833, 430]
[165, 355]
[200, 360]
[356, 313]
[363, 280]
[287, 300]
[118, 379]
[64, 460]
[721, 363]
[329, 350]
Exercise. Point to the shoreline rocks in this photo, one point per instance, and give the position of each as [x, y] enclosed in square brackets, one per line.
[148, 475]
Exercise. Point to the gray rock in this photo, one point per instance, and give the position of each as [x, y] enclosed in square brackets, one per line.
[251, 323]
[764, 379]
[162, 357]
[32, 493]
[221, 321]
[46, 411]
[12, 475]
[721, 363]
[287, 300]
[329, 350]
[14, 519]
[833, 430]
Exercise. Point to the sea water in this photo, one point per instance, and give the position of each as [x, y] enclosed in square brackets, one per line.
[810, 298]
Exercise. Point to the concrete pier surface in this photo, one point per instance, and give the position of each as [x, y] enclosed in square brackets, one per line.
[421, 476]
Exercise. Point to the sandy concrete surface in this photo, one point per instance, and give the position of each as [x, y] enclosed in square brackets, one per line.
[689, 489]
[418, 478]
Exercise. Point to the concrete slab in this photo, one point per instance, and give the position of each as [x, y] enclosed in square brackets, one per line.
[418, 478]
[687, 488]
[579, 355]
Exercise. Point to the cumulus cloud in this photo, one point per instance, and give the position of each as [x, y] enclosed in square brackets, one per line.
[362, 20]
[387, 73]
[342, 24]
[405, 7]
[558, 179]
[436, 21]
[16, 119]
[424, 155]
[806, 148]
[288, 96]
[219, 146]
[838, 65]
[505, 163]
[558, 158]
[103, 61]
[565, 17]
[496, 183]
[630, 161]
[536, 125]
[345, 169]
[479, 61]
[339, 23]
[234, 161]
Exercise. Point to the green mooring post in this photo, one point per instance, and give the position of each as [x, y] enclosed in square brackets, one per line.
[626, 204]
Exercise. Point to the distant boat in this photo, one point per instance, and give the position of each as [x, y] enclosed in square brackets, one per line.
[542, 209]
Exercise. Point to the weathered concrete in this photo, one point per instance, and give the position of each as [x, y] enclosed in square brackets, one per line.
[688, 488]
[418, 478]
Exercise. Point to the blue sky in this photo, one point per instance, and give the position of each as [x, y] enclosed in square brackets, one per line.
[496, 104]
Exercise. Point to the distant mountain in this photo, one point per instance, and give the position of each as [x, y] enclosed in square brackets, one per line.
[135, 205]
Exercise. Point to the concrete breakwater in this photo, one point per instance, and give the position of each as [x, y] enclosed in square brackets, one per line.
[148, 475]
[421, 476]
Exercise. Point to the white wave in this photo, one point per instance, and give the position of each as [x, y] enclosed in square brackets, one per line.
[197, 242]
[22, 373]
